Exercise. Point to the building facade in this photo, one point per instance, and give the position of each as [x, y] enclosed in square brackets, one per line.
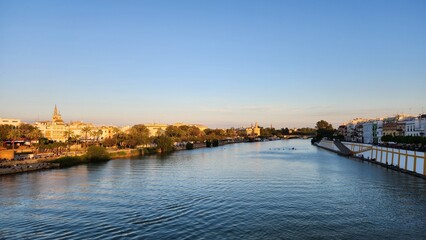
[10, 121]
[55, 129]
[253, 130]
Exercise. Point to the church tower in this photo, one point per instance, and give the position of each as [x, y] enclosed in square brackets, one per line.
[57, 118]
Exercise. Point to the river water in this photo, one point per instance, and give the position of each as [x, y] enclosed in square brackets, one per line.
[262, 190]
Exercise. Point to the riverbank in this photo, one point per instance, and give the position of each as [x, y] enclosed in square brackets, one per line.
[332, 147]
[20, 168]
[391, 167]
[69, 161]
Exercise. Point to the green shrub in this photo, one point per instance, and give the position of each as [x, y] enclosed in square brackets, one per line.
[189, 146]
[69, 161]
[96, 154]
[164, 144]
[149, 151]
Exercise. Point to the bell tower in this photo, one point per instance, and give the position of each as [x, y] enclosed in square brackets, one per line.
[57, 118]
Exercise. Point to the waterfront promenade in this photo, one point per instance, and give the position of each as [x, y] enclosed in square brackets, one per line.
[26, 167]
[406, 161]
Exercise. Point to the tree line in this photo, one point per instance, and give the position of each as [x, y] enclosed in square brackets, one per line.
[139, 136]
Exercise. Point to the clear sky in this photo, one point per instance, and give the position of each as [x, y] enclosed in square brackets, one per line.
[219, 63]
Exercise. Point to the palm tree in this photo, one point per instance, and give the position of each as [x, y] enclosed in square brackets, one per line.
[67, 135]
[116, 131]
[86, 130]
[13, 135]
[76, 138]
[97, 134]
[100, 132]
[35, 134]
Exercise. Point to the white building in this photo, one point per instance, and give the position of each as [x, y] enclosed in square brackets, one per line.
[379, 132]
[367, 132]
[415, 126]
[10, 121]
[372, 131]
[423, 124]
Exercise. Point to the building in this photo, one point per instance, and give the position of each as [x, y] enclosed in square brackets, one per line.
[372, 131]
[390, 128]
[367, 132]
[156, 129]
[10, 121]
[395, 126]
[58, 130]
[415, 126]
[199, 126]
[342, 130]
[423, 124]
[358, 134]
[253, 131]
[107, 132]
[54, 130]
[377, 131]
[77, 130]
[353, 131]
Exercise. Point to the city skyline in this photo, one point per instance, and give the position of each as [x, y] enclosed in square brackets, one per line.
[244, 125]
[222, 64]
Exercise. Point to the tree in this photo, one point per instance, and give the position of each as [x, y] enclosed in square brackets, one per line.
[307, 131]
[324, 130]
[323, 125]
[116, 131]
[96, 153]
[193, 133]
[122, 139]
[109, 142]
[174, 132]
[231, 133]
[13, 135]
[97, 134]
[75, 138]
[215, 134]
[189, 146]
[86, 130]
[67, 135]
[285, 131]
[4, 132]
[164, 144]
[265, 132]
[138, 135]
[35, 134]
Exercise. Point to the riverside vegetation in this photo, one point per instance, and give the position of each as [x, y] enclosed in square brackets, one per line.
[135, 142]
[93, 154]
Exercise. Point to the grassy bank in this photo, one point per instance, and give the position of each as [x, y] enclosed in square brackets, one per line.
[132, 153]
[94, 154]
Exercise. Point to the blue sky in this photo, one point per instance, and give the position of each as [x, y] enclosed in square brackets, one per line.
[220, 63]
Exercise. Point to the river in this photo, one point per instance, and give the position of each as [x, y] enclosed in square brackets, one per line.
[264, 190]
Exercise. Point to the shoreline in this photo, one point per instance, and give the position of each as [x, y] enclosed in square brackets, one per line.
[384, 165]
[30, 167]
[15, 167]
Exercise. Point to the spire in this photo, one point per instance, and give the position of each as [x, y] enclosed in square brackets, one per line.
[56, 118]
